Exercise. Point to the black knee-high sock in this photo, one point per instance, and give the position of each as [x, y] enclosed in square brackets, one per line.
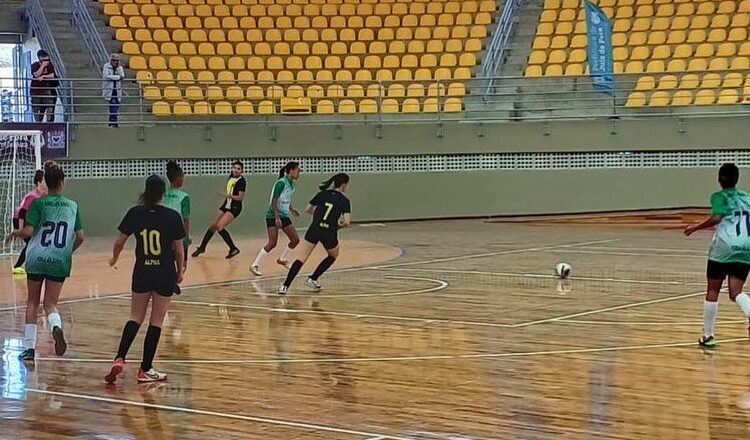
[322, 267]
[128, 335]
[22, 255]
[293, 271]
[149, 346]
[227, 239]
[206, 238]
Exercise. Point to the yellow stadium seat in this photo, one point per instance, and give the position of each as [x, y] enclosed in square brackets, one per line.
[389, 106]
[374, 91]
[123, 35]
[718, 64]
[161, 108]
[403, 75]
[659, 99]
[682, 97]
[737, 35]
[315, 91]
[639, 25]
[661, 53]
[244, 108]
[347, 106]
[181, 108]
[696, 36]
[430, 105]
[636, 99]
[726, 50]
[324, 106]
[717, 36]
[740, 63]
[740, 20]
[194, 93]
[655, 38]
[214, 93]
[223, 108]
[676, 65]
[554, 70]
[744, 49]
[164, 78]
[396, 91]
[711, 81]
[152, 93]
[706, 8]
[676, 37]
[705, 97]
[645, 83]
[655, 66]
[202, 108]
[732, 80]
[634, 67]
[620, 53]
[640, 53]
[637, 39]
[667, 82]
[577, 56]
[697, 64]
[452, 105]
[144, 77]
[172, 93]
[266, 108]
[410, 105]
[683, 51]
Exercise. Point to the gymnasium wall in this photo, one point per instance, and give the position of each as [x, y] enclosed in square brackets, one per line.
[289, 140]
[398, 196]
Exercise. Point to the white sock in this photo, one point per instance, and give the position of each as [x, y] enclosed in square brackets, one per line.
[743, 301]
[260, 256]
[709, 317]
[29, 336]
[54, 320]
[285, 255]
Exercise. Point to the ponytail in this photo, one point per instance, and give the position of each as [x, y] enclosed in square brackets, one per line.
[153, 192]
[287, 168]
[337, 181]
[38, 177]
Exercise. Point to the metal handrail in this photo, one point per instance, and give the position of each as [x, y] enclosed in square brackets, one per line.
[545, 98]
[85, 24]
[496, 49]
[42, 31]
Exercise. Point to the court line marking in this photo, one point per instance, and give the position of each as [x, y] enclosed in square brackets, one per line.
[440, 285]
[345, 314]
[279, 422]
[624, 254]
[665, 250]
[409, 358]
[350, 269]
[609, 309]
[650, 323]
[546, 276]
[71, 301]
[413, 263]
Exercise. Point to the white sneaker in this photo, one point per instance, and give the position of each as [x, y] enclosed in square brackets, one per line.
[283, 290]
[256, 271]
[150, 376]
[314, 284]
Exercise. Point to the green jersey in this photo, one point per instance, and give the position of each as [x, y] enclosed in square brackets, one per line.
[283, 190]
[177, 200]
[731, 241]
[55, 220]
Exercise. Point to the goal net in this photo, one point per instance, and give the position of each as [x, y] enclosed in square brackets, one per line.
[20, 157]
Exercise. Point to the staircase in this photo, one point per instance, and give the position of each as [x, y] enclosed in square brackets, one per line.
[88, 105]
[519, 45]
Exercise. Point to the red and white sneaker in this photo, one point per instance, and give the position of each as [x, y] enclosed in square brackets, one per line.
[116, 369]
[150, 376]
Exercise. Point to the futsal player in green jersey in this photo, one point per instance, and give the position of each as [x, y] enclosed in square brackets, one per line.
[279, 216]
[729, 254]
[54, 224]
[178, 200]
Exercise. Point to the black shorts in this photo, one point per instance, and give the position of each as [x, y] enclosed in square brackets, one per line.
[41, 277]
[329, 239]
[235, 210]
[720, 271]
[163, 286]
[16, 223]
[285, 221]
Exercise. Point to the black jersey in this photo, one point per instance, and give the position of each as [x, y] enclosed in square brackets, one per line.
[235, 185]
[330, 205]
[156, 228]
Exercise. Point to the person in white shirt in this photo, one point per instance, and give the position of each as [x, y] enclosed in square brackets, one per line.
[112, 75]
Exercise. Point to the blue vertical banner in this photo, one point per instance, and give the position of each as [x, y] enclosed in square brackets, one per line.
[599, 47]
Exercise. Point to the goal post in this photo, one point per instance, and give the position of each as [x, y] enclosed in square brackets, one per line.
[20, 157]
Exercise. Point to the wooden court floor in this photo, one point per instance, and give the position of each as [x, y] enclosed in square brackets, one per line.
[433, 330]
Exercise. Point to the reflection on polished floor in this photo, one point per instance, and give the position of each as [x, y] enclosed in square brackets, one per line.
[435, 330]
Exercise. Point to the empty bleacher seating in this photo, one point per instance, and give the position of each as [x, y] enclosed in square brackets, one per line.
[675, 52]
[246, 56]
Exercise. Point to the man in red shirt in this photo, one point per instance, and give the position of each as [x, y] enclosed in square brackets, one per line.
[43, 88]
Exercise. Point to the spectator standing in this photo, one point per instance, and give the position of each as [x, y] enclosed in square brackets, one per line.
[112, 75]
[43, 84]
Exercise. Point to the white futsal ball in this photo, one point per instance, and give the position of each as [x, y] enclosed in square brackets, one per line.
[563, 270]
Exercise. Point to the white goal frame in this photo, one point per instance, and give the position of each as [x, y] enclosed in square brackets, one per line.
[37, 138]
